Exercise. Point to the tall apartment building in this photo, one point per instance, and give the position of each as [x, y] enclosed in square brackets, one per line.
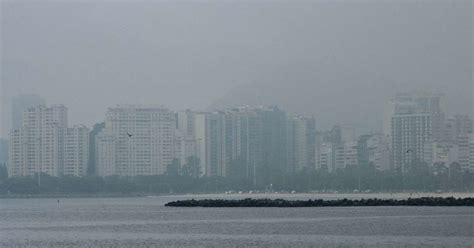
[247, 142]
[374, 149]
[410, 121]
[441, 153]
[471, 153]
[301, 140]
[140, 139]
[324, 157]
[106, 145]
[191, 136]
[332, 157]
[457, 125]
[416, 103]
[274, 144]
[39, 144]
[96, 129]
[464, 144]
[345, 155]
[185, 147]
[409, 134]
[76, 151]
[216, 157]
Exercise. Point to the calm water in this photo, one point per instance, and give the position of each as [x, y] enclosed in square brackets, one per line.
[144, 222]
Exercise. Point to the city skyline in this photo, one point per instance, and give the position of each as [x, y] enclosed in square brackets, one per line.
[236, 123]
[259, 143]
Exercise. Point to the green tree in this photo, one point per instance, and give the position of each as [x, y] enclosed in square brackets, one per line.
[173, 168]
[192, 167]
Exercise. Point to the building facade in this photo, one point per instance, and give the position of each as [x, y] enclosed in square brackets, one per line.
[409, 134]
[38, 145]
[374, 150]
[324, 157]
[142, 138]
[76, 151]
[301, 141]
[441, 153]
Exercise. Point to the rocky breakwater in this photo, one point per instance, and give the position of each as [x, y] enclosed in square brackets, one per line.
[249, 202]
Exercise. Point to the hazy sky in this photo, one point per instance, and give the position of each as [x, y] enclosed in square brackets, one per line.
[337, 60]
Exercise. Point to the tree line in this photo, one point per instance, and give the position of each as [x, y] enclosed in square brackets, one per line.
[185, 179]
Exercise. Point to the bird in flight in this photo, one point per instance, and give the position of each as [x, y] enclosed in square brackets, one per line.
[409, 150]
[129, 134]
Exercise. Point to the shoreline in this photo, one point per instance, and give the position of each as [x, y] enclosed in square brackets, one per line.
[341, 195]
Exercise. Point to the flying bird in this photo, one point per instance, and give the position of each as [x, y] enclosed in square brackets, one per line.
[129, 134]
[409, 150]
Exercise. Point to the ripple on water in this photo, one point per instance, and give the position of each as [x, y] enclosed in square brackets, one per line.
[144, 222]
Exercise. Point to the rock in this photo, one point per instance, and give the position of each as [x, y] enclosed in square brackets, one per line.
[249, 202]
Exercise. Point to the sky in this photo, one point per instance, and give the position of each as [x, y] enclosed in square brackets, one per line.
[337, 60]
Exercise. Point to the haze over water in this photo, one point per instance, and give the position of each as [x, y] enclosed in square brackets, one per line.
[145, 222]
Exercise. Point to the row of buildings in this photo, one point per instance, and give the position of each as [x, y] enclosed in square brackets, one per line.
[44, 143]
[253, 142]
[419, 132]
[143, 140]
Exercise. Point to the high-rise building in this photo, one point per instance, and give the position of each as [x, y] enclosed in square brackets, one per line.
[345, 155]
[374, 149]
[247, 142]
[463, 143]
[471, 153]
[191, 137]
[185, 146]
[416, 103]
[250, 144]
[216, 162]
[331, 157]
[200, 139]
[140, 139]
[301, 140]
[324, 157]
[38, 145]
[274, 145]
[106, 154]
[441, 153]
[22, 103]
[409, 134]
[76, 151]
[410, 121]
[455, 126]
[96, 129]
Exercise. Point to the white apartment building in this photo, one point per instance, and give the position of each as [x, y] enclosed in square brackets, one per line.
[140, 139]
[416, 103]
[455, 126]
[324, 157]
[443, 153]
[471, 153]
[301, 142]
[106, 154]
[350, 154]
[192, 137]
[76, 151]
[38, 145]
[184, 147]
[379, 151]
[409, 134]
[464, 149]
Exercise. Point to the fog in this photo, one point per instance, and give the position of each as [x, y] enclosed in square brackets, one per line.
[340, 61]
